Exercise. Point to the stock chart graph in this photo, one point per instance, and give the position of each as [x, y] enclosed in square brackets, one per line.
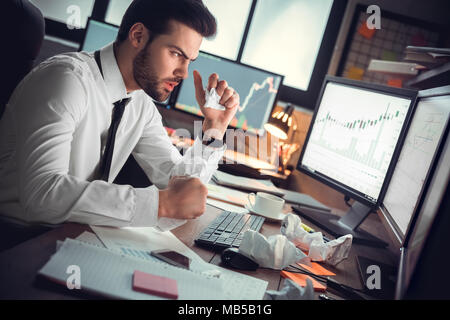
[426, 130]
[354, 137]
[257, 90]
[356, 128]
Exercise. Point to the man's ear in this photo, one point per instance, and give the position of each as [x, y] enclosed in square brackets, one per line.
[138, 35]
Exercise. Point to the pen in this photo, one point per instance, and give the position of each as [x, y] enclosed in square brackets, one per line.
[325, 297]
[306, 228]
[311, 230]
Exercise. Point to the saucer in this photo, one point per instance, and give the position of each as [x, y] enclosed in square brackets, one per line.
[279, 218]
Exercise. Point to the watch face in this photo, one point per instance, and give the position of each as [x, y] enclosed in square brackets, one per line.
[214, 143]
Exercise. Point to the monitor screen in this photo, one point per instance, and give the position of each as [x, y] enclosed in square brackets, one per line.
[434, 196]
[257, 89]
[303, 22]
[354, 135]
[416, 157]
[98, 34]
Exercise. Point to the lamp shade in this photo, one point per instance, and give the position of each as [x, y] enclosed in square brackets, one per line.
[279, 122]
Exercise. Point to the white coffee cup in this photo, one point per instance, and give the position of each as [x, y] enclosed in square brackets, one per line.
[265, 204]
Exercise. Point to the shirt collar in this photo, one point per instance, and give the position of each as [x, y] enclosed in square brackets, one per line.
[112, 75]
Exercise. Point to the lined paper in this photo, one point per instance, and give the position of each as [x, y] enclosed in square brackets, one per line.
[110, 274]
[137, 242]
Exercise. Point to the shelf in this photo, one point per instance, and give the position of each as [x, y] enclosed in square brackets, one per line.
[433, 78]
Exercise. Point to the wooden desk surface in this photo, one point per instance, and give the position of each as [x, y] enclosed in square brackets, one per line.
[19, 265]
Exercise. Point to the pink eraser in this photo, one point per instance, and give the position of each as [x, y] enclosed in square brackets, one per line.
[156, 285]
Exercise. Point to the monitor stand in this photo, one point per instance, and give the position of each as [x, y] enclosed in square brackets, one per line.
[339, 226]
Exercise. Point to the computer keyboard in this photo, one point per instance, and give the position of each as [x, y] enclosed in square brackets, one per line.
[228, 229]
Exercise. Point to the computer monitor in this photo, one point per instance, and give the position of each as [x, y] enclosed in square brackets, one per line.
[425, 134]
[258, 90]
[352, 143]
[97, 35]
[427, 234]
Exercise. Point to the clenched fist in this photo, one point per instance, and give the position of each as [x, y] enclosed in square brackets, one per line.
[184, 198]
[216, 119]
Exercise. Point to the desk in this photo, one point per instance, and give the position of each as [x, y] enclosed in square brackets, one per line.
[19, 265]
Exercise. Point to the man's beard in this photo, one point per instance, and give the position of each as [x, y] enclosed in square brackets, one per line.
[145, 76]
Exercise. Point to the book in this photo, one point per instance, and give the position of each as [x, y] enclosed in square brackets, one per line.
[427, 56]
[428, 50]
[393, 67]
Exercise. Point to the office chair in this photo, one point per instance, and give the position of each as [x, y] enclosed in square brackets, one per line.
[22, 29]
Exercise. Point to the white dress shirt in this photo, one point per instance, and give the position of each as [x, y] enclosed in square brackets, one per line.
[52, 137]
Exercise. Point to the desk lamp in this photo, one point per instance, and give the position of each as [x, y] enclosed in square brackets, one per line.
[280, 122]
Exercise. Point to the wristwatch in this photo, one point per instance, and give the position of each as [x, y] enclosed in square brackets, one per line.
[211, 142]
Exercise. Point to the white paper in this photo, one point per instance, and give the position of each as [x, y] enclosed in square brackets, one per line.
[225, 206]
[109, 273]
[145, 238]
[292, 291]
[213, 99]
[275, 252]
[332, 252]
[137, 242]
[227, 194]
[90, 238]
[86, 237]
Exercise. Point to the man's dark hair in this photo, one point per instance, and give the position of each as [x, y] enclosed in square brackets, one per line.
[155, 15]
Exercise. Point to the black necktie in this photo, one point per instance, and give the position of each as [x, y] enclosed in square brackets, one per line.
[105, 166]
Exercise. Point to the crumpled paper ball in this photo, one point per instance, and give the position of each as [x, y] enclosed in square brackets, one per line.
[213, 99]
[332, 252]
[275, 252]
[292, 291]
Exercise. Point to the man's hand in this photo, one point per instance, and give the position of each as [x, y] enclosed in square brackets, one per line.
[216, 121]
[184, 198]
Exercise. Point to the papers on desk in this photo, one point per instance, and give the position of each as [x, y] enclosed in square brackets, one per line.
[143, 239]
[226, 206]
[90, 238]
[303, 199]
[226, 198]
[136, 241]
[108, 271]
[232, 156]
[227, 194]
[254, 185]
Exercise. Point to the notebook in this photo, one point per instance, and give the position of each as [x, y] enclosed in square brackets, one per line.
[243, 183]
[304, 200]
[233, 285]
[137, 242]
[110, 274]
